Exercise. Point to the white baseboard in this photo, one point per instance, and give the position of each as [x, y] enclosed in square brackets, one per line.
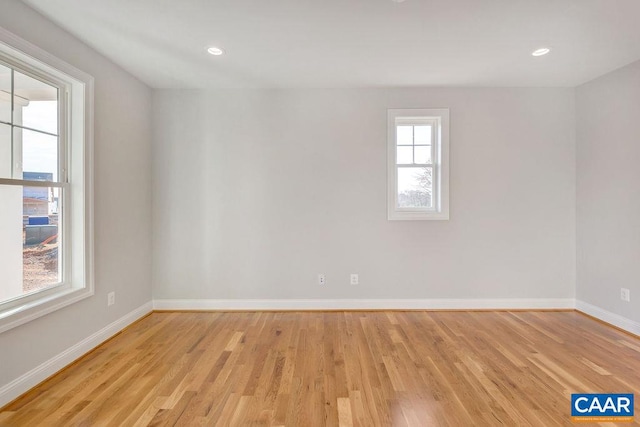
[361, 304]
[40, 373]
[609, 317]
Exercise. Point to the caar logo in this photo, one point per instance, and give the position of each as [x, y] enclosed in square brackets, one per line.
[602, 407]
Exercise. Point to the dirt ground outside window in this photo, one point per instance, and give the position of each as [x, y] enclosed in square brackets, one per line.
[40, 267]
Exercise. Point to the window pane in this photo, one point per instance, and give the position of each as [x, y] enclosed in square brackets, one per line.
[422, 154]
[28, 240]
[39, 155]
[41, 260]
[415, 187]
[5, 151]
[5, 94]
[404, 135]
[423, 135]
[36, 104]
[404, 155]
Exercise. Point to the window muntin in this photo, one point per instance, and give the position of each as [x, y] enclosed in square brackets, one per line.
[418, 164]
[46, 153]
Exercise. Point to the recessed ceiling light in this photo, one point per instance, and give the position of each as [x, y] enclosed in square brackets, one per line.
[541, 51]
[215, 51]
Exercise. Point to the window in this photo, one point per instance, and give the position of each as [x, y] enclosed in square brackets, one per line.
[418, 164]
[45, 183]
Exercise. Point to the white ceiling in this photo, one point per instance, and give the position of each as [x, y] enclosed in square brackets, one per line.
[356, 43]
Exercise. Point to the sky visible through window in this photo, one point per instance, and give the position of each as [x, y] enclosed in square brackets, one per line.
[40, 151]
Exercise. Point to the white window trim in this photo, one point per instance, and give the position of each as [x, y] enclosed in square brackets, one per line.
[79, 283]
[440, 211]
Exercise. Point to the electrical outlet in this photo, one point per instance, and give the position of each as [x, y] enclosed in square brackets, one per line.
[111, 298]
[354, 279]
[625, 294]
[321, 279]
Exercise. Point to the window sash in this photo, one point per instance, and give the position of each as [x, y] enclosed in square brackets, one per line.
[63, 108]
[63, 237]
[28, 183]
[434, 123]
[19, 302]
[433, 189]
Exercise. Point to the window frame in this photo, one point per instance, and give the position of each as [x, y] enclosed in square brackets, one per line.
[439, 120]
[75, 133]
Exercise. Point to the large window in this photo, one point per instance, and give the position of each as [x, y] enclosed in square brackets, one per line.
[418, 164]
[45, 182]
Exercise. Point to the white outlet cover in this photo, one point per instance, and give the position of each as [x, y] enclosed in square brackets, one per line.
[625, 294]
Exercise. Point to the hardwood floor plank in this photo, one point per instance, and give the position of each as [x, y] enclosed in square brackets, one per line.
[338, 369]
[345, 418]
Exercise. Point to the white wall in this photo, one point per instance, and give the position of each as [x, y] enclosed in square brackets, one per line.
[608, 191]
[255, 192]
[122, 201]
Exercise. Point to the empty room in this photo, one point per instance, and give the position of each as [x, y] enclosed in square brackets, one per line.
[319, 212]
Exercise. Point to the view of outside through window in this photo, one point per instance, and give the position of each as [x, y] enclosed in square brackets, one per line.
[414, 152]
[30, 218]
[40, 204]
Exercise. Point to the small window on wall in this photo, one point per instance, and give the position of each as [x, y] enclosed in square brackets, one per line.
[45, 183]
[418, 164]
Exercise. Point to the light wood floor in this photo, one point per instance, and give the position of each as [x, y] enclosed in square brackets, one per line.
[338, 368]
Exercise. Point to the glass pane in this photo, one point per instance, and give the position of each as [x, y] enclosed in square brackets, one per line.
[404, 155]
[5, 94]
[422, 154]
[28, 240]
[5, 151]
[36, 104]
[40, 251]
[423, 135]
[39, 155]
[404, 135]
[415, 187]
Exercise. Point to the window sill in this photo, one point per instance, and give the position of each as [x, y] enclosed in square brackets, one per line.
[21, 314]
[417, 216]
